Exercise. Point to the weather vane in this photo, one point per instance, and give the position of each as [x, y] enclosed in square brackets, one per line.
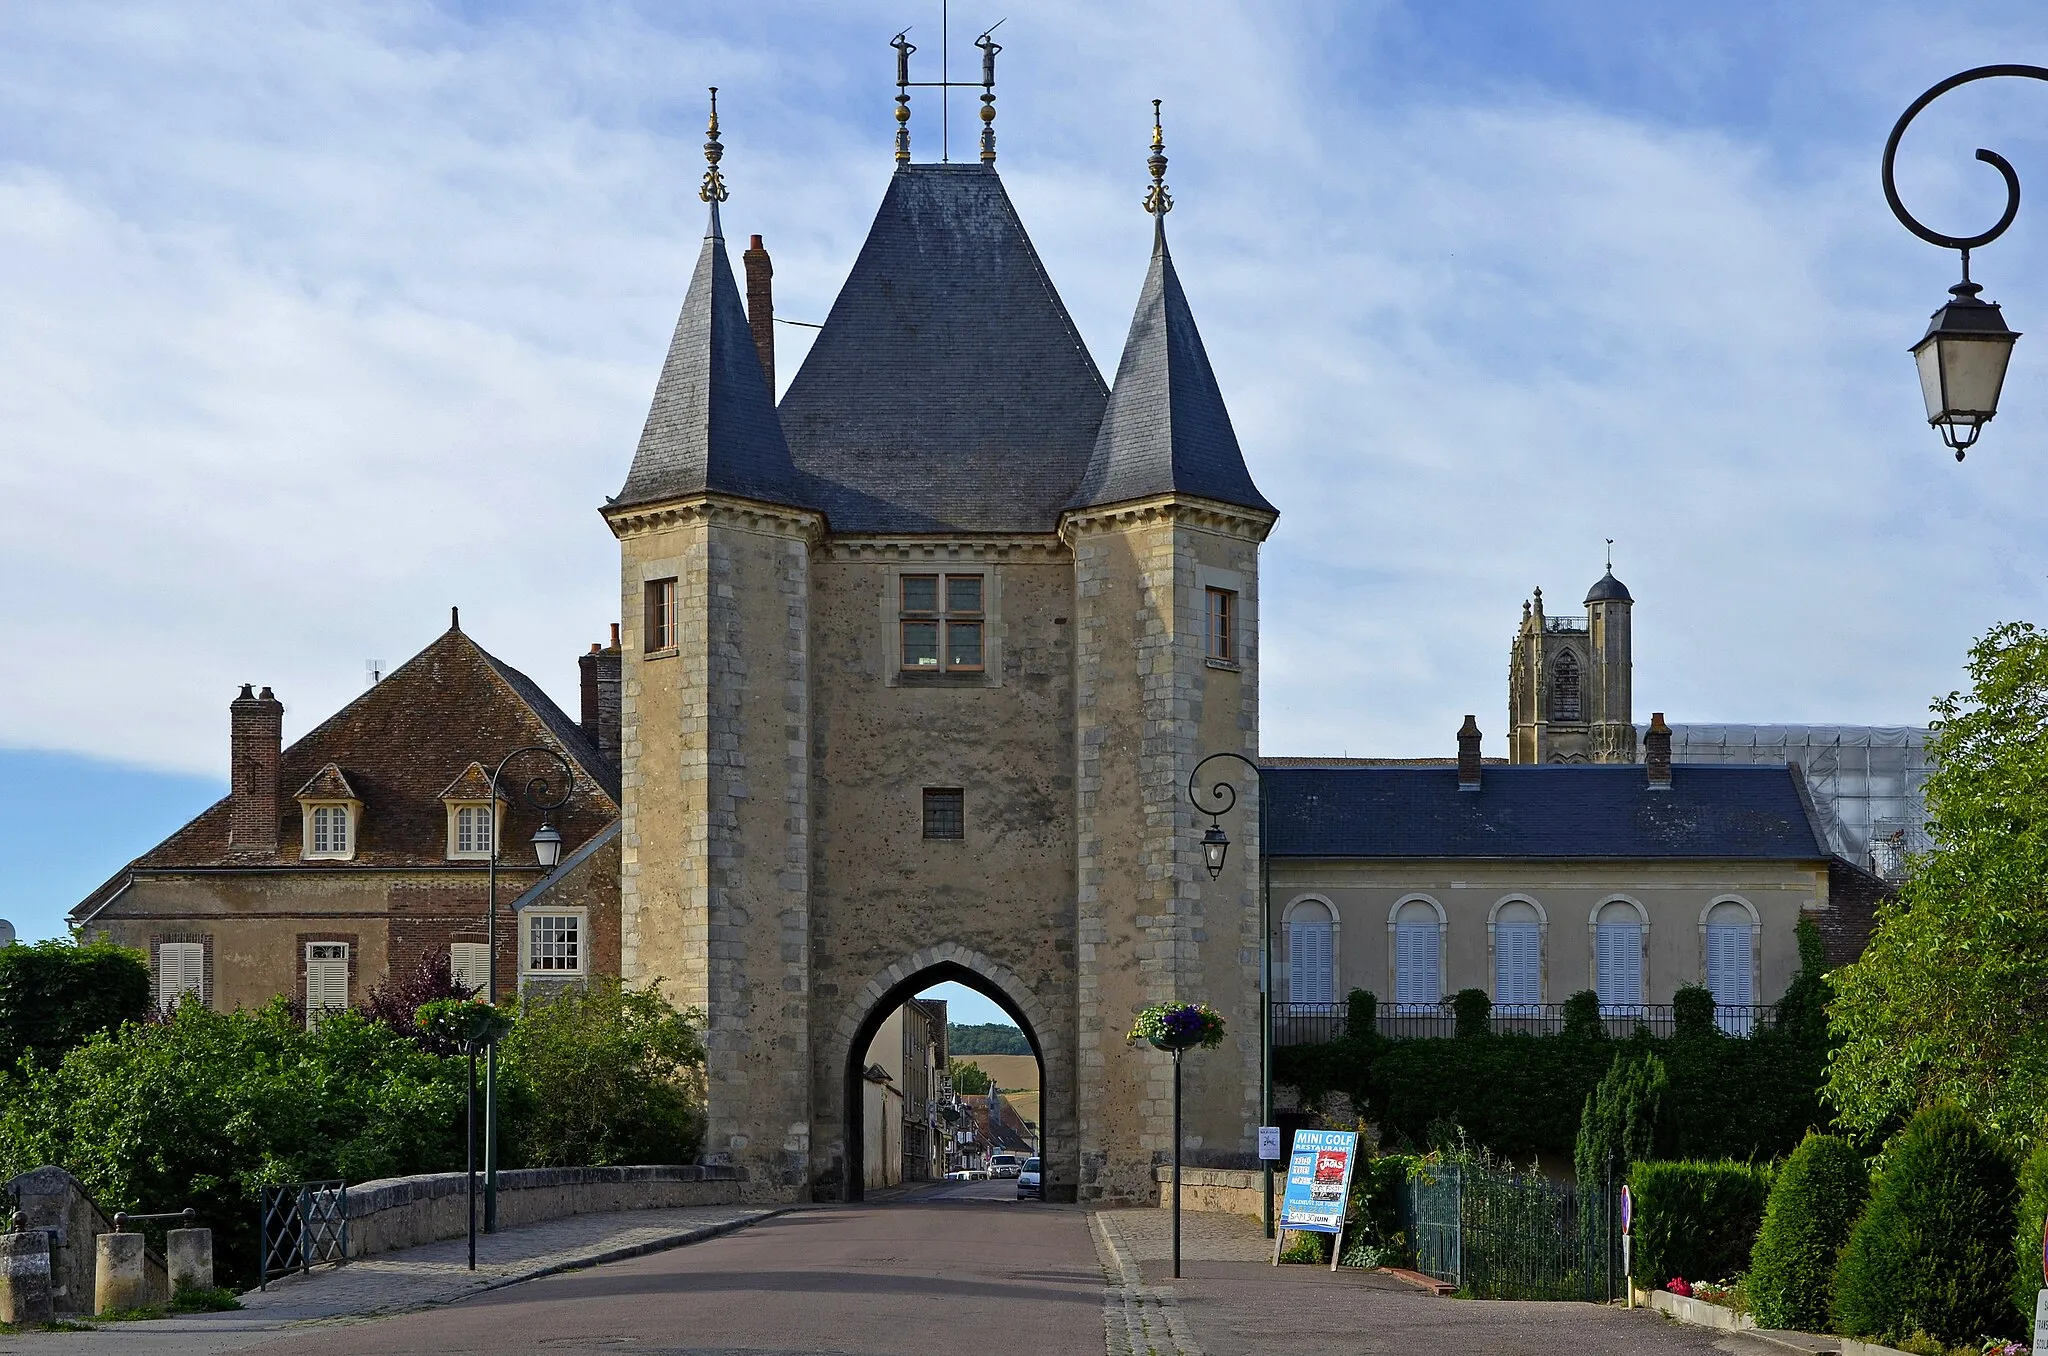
[1157, 200]
[713, 189]
[1610, 555]
[946, 85]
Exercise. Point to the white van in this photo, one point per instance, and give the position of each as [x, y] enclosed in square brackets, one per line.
[1005, 1165]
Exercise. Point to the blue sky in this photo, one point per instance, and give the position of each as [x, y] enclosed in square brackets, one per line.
[316, 320]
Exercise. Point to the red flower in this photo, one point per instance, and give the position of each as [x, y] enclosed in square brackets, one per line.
[1677, 1286]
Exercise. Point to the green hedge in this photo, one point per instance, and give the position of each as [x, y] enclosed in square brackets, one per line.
[53, 995]
[1815, 1201]
[2026, 1243]
[1933, 1252]
[1695, 1220]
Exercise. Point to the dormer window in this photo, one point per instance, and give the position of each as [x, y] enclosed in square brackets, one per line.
[329, 815]
[470, 815]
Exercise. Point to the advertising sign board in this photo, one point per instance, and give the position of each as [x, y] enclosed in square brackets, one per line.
[1318, 1187]
[1269, 1143]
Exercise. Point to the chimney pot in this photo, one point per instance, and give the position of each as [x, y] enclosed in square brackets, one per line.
[255, 755]
[615, 635]
[1657, 752]
[761, 306]
[1468, 755]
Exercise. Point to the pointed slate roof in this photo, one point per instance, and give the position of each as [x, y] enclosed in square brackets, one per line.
[949, 389]
[712, 428]
[1166, 430]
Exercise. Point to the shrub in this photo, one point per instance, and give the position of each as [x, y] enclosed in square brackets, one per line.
[1582, 1016]
[53, 995]
[1372, 1220]
[1933, 1252]
[2026, 1243]
[397, 1001]
[1695, 1219]
[1304, 1247]
[605, 1075]
[1361, 1015]
[1815, 1201]
[1469, 1010]
[1692, 1011]
[1620, 1122]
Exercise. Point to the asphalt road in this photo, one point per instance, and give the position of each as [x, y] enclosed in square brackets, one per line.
[946, 1266]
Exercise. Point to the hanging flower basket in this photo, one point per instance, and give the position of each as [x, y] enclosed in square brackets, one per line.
[1178, 1026]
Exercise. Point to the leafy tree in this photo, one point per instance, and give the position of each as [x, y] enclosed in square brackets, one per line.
[203, 1108]
[1622, 1120]
[55, 994]
[1950, 999]
[397, 1002]
[968, 1078]
[1933, 1252]
[1818, 1195]
[601, 1075]
[2026, 1243]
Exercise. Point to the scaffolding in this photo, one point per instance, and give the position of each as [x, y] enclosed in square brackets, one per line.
[1867, 781]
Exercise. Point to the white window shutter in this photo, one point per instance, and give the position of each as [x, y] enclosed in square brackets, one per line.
[326, 978]
[1308, 963]
[1415, 966]
[1517, 964]
[180, 969]
[1620, 947]
[1729, 973]
[470, 963]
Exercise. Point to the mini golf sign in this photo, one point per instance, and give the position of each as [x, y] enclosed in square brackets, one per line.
[1318, 1187]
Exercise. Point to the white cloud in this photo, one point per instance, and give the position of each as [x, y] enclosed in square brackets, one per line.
[315, 322]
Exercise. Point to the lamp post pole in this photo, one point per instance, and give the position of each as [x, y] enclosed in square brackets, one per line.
[1216, 802]
[1963, 356]
[547, 850]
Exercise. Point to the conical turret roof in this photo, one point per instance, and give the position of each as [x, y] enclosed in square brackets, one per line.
[712, 428]
[1166, 430]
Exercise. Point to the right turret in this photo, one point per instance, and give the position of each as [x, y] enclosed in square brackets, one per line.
[1609, 700]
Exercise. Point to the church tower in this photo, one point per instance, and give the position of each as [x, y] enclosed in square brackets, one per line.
[1569, 681]
[1165, 529]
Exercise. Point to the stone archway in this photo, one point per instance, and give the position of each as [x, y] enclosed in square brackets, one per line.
[841, 1052]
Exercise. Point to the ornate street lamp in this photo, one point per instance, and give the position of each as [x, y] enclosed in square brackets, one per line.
[1963, 355]
[539, 792]
[1216, 802]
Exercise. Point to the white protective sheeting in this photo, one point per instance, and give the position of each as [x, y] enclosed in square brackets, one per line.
[1867, 781]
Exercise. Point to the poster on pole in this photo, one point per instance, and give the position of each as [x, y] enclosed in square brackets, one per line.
[1319, 1180]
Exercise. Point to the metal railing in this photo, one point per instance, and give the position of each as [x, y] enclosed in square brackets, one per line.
[303, 1225]
[1564, 623]
[1310, 1023]
[1505, 1235]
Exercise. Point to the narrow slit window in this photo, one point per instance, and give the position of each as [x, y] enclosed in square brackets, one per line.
[1220, 626]
[661, 615]
[945, 812]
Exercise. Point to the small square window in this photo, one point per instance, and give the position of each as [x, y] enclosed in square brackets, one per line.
[945, 814]
[1220, 626]
[554, 943]
[661, 615]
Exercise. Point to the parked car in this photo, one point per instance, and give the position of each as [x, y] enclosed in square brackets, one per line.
[1004, 1165]
[960, 1175]
[1027, 1181]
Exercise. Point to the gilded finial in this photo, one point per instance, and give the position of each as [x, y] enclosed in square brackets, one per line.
[1157, 200]
[989, 47]
[904, 48]
[713, 189]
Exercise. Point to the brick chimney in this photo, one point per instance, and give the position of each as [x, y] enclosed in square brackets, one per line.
[761, 306]
[256, 747]
[601, 696]
[1468, 755]
[1657, 752]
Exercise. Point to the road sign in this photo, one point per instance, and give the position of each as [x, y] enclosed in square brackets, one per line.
[1628, 1212]
[1269, 1143]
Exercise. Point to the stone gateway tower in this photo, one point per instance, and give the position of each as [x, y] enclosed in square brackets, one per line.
[916, 665]
[1570, 694]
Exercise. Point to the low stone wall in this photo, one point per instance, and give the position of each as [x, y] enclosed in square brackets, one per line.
[1223, 1191]
[401, 1212]
[54, 1201]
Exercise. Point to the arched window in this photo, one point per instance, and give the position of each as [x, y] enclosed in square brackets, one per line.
[1517, 957]
[1618, 953]
[1564, 688]
[1311, 953]
[1731, 971]
[1418, 971]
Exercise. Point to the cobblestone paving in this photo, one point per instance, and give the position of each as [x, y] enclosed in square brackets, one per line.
[417, 1278]
[1230, 1302]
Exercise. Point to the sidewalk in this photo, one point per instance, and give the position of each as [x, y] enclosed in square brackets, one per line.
[1231, 1302]
[417, 1278]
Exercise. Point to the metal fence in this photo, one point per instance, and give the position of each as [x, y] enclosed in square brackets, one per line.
[1503, 1235]
[1308, 1023]
[303, 1225]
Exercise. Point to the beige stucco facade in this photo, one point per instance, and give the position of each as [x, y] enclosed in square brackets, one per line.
[1672, 898]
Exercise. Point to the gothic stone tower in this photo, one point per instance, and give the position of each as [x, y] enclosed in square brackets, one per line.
[1569, 698]
[916, 667]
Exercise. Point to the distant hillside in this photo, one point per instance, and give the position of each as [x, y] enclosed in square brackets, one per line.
[992, 1038]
